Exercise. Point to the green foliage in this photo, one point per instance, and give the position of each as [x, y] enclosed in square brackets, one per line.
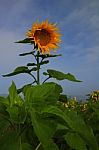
[75, 141]
[9, 141]
[4, 119]
[61, 76]
[39, 121]
[44, 130]
[26, 146]
[76, 124]
[47, 92]
[39, 60]
[18, 70]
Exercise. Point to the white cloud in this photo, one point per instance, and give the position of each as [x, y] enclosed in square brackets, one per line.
[89, 55]
[85, 16]
[20, 14]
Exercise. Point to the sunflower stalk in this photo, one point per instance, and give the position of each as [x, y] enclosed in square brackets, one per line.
[38, 68]
[29, 121]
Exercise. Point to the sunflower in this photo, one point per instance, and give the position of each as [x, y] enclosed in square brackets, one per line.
[45, 35]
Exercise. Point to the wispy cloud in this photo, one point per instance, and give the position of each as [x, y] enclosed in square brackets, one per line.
[12, 10]
[19, 15]
[84, 15]
[81, 36]
[88, 54]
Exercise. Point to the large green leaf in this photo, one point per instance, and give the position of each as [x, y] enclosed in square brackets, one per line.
[4, 100]
[16, 108]
[4, 119]
[14, 114]
[76, 123]
[26, 146]
[9, 141]
[47, 92]
[12, 93]
[17, 114]
[18, 70]
[21, 89]
[14, 98]
[61, 76]
[4, 124]
[75, 141]
[25, 41]
[44, 130]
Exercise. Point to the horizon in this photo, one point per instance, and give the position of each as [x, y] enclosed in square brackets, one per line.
[78, 97]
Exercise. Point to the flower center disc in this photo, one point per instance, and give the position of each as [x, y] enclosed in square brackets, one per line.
[42, 36]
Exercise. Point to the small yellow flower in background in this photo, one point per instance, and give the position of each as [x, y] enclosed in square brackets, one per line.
[84, 107]
[46, 35]
[94, 96]
[66, 105]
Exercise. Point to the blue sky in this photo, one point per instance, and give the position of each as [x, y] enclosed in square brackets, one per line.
[79, 25]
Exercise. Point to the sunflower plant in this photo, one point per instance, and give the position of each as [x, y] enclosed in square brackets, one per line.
[45, 37]
[38, 120]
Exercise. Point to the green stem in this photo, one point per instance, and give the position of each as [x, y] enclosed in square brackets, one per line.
[38, 69]
[38, 146]
[33, 77]
[46, 79]
[20, 146]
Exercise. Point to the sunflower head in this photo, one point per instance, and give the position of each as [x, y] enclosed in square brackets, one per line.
[45, 35]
